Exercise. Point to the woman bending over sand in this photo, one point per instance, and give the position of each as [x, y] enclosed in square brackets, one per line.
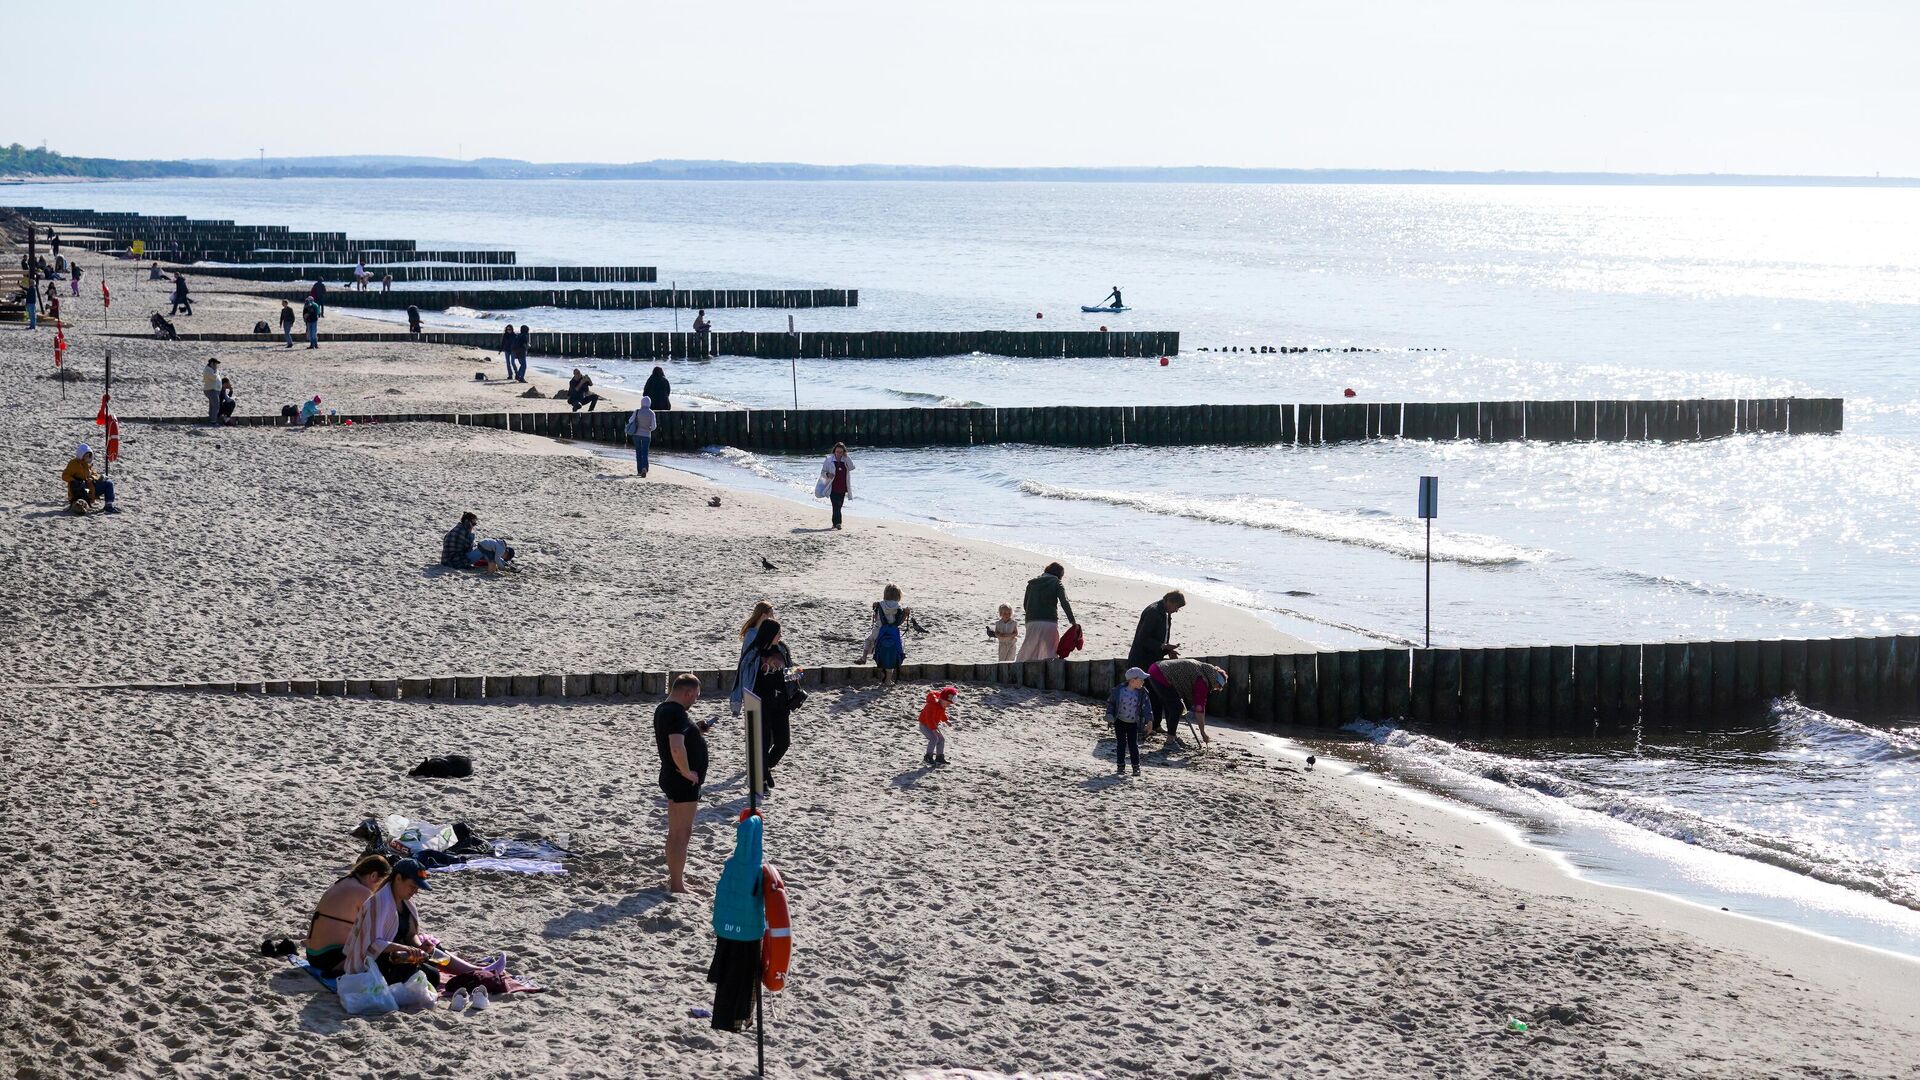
[334, 915]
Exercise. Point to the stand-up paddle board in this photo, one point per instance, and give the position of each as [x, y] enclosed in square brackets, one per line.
[1084, 307]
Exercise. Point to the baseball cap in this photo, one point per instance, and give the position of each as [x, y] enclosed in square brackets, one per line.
[411, 870]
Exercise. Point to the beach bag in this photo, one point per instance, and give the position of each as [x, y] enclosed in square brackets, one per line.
[417, 992]
[888, 651]
[822, 488]
[366, 993]
[631, 418]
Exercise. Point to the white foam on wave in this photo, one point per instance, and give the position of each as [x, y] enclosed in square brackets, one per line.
[1381, 532]
[742, 459]
[940, 401]
[1490, 773]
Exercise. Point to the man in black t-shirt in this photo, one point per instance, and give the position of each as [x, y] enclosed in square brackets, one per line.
[683, 768]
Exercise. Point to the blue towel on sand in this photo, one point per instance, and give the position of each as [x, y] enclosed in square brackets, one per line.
[300, 963]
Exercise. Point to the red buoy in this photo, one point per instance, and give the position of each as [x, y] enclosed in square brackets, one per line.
[1039, 314]
[1350, 392]
[1163, 361]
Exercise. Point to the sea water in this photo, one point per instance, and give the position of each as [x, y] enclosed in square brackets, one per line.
[1457, 292]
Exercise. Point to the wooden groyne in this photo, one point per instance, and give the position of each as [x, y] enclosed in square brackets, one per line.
[1521, 692]
[343, 272]
[879, 344]
[812, 430]
[189, 240]
[588, 299]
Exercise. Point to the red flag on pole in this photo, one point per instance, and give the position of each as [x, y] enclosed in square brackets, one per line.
[106, 298]
[112, 424]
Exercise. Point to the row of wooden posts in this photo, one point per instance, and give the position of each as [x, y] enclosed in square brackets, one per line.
[190, 240]
[888, 344]
[808, 430]
[343, 272]
[589, 299]
[1531, 692]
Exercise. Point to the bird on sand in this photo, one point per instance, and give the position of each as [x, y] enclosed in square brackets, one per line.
[765, 565]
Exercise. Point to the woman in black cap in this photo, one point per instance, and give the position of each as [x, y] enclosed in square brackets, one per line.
[775, 693]
[387, 933]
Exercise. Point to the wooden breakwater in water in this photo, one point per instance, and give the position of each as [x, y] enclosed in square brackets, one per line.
[813, 430]
[189, 240]
[588, 299]
[880, 344]
[342, 273]
[1523, 692]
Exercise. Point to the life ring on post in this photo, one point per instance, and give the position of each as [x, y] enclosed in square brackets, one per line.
[776, 945]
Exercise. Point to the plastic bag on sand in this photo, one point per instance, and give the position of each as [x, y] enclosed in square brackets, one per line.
[419, 836]
[417, 992]
[365, 993]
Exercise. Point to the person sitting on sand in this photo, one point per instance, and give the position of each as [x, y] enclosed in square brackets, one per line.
[310, 413]
[387, 934]
[226, 400]
[657, 389]
[883, 637]
[1130, 708]
[153, 272]
[458, 549]
[1181, 685]
[1005, 633]
[933, 719]
[84, 486]
[334, 916]
[163, 329]
[580, 391]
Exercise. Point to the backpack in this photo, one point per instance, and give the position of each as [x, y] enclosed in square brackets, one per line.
[888, 650]
[631, 417]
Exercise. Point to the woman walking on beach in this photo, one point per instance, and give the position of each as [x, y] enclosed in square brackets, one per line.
[774, 689]
[509, 342]
[659, 389]
[836, 480]
[640, 427]
[520, 352]
[883, 639]
[748, 669]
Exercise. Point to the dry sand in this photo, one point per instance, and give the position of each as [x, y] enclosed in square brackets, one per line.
[1227, 915]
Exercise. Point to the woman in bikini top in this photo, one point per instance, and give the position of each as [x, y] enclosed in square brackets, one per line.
[334, 915]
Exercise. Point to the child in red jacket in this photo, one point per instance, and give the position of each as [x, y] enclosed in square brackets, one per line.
[933, 717]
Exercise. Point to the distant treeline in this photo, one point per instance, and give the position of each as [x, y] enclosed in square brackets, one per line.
[17, 160]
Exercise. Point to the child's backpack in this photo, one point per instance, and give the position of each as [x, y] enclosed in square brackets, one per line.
[888, 651]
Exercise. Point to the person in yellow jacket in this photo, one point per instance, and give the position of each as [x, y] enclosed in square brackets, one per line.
[84, 486]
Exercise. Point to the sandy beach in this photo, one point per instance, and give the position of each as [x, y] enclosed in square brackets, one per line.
[1228, 914]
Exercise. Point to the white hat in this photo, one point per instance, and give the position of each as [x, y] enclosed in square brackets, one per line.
[82, 450]
[1135, 673]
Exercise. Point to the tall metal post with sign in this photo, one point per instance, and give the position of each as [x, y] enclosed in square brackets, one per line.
[1429, 509]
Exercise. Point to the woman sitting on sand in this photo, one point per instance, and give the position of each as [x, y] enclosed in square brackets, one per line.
[334, 915]
[387, 934]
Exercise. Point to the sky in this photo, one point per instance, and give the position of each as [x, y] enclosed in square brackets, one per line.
[1754, 86]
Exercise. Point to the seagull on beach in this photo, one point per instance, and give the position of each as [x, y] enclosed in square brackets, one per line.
[765, 565]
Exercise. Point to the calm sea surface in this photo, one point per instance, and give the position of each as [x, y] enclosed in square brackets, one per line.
[1531, 292]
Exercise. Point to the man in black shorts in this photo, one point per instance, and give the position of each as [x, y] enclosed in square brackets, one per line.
[683, 768]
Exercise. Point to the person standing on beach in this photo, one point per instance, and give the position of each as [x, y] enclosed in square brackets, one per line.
[210, 382]
[286, 322]
[180, 299]
[1046, 598]
[520, 347]
[883, 638]
[1005, 634]
[683, 769]
[310, 313]
[509, 344]
[748, 668]
[386, 282]
[933, 718]
[413, 318]
[1129, 707]
[640, 428]
[836, 480]
[659, 389]
[33, 307]
[1153, 639]
[73, 280]
[773, 687]
[319, 294]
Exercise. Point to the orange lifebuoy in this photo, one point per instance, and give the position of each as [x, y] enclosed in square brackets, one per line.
[776, 945]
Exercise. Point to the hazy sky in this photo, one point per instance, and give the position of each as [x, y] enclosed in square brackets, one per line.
[1668, 86]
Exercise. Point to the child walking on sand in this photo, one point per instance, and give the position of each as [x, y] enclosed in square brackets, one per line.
[933, 717]
[1005, 633]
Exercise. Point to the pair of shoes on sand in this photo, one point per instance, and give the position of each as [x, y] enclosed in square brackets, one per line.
[929, 760]
[476, 1000]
